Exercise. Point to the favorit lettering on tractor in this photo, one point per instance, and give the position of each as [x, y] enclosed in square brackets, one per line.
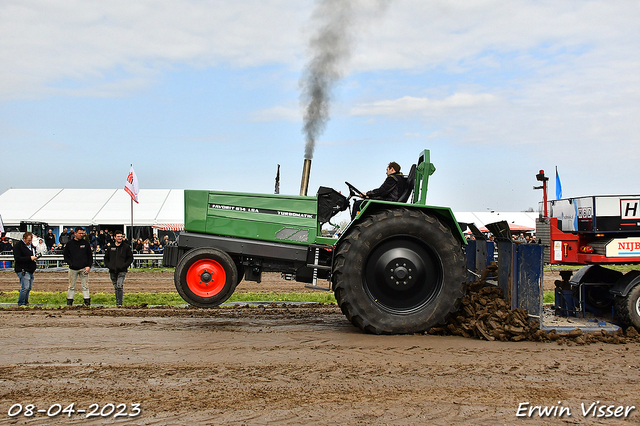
[398, 267]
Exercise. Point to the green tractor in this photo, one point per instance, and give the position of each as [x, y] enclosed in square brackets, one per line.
[397, 268]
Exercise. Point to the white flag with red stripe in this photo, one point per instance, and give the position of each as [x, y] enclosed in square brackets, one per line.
[131, 186]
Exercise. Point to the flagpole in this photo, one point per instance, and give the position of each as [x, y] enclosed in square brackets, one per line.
[131, 236]
[132, 188]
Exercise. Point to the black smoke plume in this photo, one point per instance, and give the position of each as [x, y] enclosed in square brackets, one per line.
[330, 48]
[334, 23]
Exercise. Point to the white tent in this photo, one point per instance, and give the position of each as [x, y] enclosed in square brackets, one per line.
[86, 207]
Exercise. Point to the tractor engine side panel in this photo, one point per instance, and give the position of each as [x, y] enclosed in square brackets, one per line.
[264, 217]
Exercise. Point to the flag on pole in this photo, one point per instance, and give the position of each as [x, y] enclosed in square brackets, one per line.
[277, 190]
[131, 186]
[558, 185]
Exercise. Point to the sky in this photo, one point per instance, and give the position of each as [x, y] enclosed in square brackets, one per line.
[204, 94]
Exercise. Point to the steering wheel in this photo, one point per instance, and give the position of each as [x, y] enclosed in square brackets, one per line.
[354, 192]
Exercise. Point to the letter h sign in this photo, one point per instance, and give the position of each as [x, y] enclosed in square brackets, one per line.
[630, 209]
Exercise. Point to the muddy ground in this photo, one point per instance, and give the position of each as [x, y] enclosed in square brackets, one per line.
[287, 365]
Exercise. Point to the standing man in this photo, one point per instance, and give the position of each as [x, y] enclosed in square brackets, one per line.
[77, 253]
[117, 258]
[101, 239]
[64, 237]
[24, 254]
[50, 239]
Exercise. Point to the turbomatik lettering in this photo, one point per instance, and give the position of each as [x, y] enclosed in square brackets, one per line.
[294, 214]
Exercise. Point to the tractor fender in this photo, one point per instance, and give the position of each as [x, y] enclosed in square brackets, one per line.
[444, 214]
[596, 274]
[626, 283]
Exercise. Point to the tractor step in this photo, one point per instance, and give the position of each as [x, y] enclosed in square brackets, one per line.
[315, 287]
[321, 267]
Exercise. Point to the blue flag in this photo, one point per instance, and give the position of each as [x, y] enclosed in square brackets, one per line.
[558, 185]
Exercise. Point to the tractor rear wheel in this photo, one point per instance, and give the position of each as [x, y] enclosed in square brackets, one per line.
[399, 271]
[205, 277]
[628, 307]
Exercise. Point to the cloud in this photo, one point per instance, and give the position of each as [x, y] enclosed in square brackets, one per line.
[459, 35]
[277, 113]
[560, 77]
[42, 42]
[424, 106]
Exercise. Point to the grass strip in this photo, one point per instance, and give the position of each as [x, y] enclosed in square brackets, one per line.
[60, 298]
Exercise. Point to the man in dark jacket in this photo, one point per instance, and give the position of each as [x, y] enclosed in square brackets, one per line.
[24, 255]
[65, 237]
[50, 239]
[77, 253]
[390, 190]
[117, 258]
[393, 186]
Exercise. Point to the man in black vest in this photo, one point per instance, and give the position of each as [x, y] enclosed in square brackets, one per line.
[77, 253]
[24, 255]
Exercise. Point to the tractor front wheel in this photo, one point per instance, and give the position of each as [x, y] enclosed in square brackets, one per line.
[205, 277]
[399, 271]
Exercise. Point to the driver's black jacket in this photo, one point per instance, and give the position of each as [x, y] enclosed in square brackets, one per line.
[391, 190]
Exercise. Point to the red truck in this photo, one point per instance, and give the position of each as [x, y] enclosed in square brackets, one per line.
[595, 231]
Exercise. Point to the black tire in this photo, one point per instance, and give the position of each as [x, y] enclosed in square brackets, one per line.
[205, 277]
[399, 271]
[628, 307]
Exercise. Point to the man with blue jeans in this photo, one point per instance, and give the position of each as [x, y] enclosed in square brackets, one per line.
[24, 255]
[117, 258]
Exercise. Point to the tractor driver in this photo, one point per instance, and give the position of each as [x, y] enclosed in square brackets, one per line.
[390, 190]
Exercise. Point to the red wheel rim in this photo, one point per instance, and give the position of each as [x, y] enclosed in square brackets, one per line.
[206, 278]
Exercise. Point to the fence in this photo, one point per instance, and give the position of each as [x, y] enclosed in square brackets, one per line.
[57, 261]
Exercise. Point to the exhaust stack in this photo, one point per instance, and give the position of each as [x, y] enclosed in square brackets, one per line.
[306, 171]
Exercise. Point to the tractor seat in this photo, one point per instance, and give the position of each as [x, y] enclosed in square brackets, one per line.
[410, 181]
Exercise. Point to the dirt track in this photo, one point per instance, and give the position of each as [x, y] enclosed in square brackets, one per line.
[291, 365]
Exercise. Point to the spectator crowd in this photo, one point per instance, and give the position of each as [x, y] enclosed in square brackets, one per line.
[99, 241]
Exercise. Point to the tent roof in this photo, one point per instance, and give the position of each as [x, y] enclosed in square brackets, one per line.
[91, 206]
